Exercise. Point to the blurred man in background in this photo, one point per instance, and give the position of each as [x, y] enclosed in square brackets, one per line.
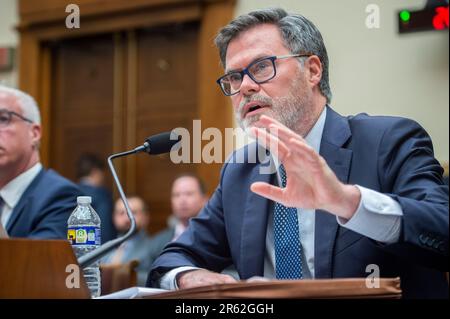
[188, 197]
[34, 202]
[91, 176]
[138, 247]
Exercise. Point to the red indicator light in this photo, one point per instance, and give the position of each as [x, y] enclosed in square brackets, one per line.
[440, 20]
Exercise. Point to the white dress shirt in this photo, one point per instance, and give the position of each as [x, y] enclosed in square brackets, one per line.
[179, 229]
[378, 217]
[13, 191]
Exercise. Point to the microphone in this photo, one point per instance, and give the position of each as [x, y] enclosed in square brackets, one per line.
[153, 145]
[159, 144]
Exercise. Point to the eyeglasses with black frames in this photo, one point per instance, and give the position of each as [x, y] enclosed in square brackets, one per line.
[6, 117]
[260, 71]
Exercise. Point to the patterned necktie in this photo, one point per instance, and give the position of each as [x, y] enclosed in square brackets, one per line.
[288, 250]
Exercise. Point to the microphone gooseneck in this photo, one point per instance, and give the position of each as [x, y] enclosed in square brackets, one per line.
[154, 145]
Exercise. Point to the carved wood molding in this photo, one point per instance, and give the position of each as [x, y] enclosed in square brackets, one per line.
[53, 11]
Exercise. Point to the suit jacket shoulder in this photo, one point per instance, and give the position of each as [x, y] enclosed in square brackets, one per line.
[44, 208]
[162, 238]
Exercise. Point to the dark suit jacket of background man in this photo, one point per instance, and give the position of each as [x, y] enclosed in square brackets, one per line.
[102, 202]
[387, 154]
[159, 241]
[44, 208]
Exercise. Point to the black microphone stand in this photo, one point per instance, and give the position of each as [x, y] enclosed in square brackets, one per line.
[101, 251]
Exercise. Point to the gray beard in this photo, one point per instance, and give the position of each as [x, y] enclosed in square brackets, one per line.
[295, 110]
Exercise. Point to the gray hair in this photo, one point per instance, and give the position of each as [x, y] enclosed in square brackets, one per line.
[27, 103]
[299, 35]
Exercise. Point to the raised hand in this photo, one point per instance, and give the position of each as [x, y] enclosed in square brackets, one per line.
[311, 184]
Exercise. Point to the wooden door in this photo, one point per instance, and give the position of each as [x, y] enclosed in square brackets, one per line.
[166, 98]
[82, 119]
[113, 91]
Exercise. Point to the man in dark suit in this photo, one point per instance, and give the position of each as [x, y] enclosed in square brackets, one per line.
[34, 202]
[188, 196]
[341, 195]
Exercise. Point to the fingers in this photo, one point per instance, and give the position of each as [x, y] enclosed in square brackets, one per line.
[268, 191]
[284, 134]
[202, 277]
[296, 156]
[306, 153]
[271, 142]
[227, 279]
[279, 130]
[267, 121]
[290, 148]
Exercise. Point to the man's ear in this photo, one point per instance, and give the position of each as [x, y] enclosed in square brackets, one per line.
[35, 134]
[315, 69]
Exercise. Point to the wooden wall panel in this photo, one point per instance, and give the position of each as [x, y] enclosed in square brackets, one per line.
[82, 113]
[214, 108]
[115, 23]
[54, 10]
[166, 98]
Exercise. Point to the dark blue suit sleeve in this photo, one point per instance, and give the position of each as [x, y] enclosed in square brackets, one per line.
[413, 177]
[51, 222]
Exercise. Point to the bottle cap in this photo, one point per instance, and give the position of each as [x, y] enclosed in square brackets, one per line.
[84, 199]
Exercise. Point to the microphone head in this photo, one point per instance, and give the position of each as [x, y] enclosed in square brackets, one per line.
[161, 143]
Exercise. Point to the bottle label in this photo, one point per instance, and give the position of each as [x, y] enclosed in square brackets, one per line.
[84, 235]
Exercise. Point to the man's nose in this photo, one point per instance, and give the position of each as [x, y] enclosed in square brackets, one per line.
[248, 86]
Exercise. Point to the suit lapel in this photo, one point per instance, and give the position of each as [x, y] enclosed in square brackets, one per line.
[336, 133]
[24, 202]
[254, 227]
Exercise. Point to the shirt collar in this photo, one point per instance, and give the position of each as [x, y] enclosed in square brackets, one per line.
[179, 229]
[13, 191]
[314, 136]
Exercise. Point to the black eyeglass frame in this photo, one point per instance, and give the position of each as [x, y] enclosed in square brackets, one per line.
[11, 113]
[245, 70]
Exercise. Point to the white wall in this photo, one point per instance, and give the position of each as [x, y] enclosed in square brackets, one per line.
[8, 35]
[379, 71]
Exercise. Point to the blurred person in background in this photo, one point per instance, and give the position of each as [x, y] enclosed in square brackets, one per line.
[188, 196]
[138, 247]
[91, 179]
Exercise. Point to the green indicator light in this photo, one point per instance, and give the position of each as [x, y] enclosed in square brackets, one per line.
[405, 16]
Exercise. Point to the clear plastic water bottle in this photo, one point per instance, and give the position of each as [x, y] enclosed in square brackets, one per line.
[83, 232]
